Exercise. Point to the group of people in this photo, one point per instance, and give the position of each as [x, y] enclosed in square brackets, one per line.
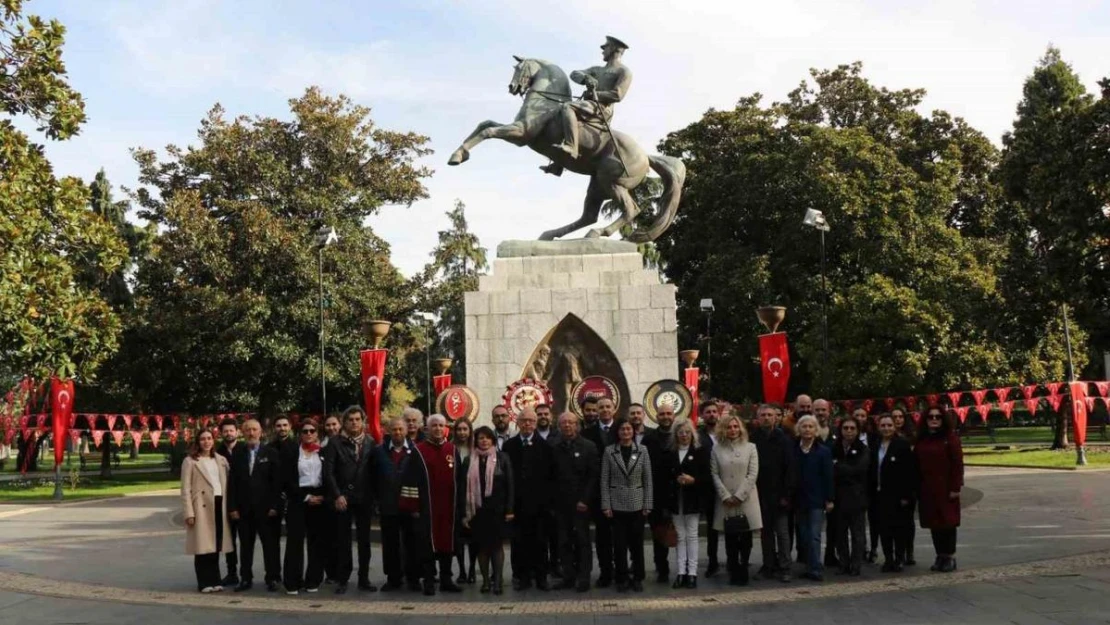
[451, 492]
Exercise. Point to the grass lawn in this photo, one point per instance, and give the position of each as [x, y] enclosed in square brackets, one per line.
[145, 460]
[1035, 458]
[32, 491]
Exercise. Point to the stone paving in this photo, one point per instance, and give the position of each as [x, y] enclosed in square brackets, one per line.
[1034, 549]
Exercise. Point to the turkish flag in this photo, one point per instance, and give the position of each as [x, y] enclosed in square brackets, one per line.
[61, 407]
[775, 358]
[440, 384]
[373, 377]
[1079, 412]
[691, 381]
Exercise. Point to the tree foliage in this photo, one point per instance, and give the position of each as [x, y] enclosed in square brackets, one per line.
[50, 321]
[457, 261]
[227, 303]
[912, 258]
[1057, 232]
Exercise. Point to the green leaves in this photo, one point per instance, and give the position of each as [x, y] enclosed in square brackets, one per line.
[52, 248]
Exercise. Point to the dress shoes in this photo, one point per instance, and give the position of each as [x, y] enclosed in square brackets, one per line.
[446, 585]
[429, 588]
[604, 581]
[271, 586]
[364, 584]
[230, 579]
[713, 569]
[244, 585]
[637, 586]
[583, 586]
[679, 581]
[541, 584]
[341, 588]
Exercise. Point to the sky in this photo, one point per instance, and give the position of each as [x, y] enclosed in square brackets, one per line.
[149, 71]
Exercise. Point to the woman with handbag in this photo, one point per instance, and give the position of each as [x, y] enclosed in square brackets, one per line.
[940, 459]
[734, 465]
[688, 469]
[627, 499]
[207, 527]
[489, 497]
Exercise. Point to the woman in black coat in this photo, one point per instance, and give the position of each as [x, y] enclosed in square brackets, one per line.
[687, 468]
[894, 488]
[905, 429]
[850, 461]
[488, 505]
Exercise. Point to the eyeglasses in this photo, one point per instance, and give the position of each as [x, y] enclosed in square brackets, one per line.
[935, 416]
[308, 431]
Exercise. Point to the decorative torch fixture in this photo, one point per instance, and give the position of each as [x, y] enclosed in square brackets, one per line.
[378, 331]
[771, 317]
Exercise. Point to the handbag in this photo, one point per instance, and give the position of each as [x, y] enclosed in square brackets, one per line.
[665, 533]
[737, 524]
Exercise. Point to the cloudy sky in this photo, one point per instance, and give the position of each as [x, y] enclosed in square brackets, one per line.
[149, 71]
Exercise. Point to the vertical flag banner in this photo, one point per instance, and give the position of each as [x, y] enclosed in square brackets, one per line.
[690, 379]
[775, 360]
[373, 377]
[61, 407]
[440, 384]
[1079, 412]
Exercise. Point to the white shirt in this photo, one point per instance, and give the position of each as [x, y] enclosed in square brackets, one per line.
[544, 433]
[310, 470]
[682, 451]
[212, 472]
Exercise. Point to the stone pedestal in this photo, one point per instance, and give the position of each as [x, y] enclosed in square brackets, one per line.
[595, 306]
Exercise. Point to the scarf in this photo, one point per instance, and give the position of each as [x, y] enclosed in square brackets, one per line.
[473, 481]
[310, 447]
[357, 440]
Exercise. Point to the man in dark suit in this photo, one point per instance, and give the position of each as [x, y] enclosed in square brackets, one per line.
[229, 437]
[659, 443]
[775, 484]
[402, 554]
[600, 433]
[548, 431]
[254, 494]
[285, 442]
[577, 467]
[708, 413]
[349, 475]
[533, 463]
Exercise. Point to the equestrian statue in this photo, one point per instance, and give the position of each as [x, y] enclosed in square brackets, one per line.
[575, 134]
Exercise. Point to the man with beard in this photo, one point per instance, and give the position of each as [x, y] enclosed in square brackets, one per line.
[548, 432]
[803, 405]
[501, 421]
[533, 465]
[602, 412]
[544, 428]
[636, 418]
[254, 494]
[441, 463]
[229, 436]
[822, 411]
[349, 476]
[775, 485]
[708, 413]
[286, 444]
[659, 443]
[577, 468]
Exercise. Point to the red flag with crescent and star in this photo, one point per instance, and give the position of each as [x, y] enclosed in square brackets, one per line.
[373, 377]
[440, 384]
[775, 359]
[61, 407]
[1078, 392]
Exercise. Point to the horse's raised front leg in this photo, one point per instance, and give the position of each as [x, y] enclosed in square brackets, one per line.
[591, 208]
[629, 210]
[513, 133]
[462, 154]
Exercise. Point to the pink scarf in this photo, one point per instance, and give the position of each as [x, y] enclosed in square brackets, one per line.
[473, 481]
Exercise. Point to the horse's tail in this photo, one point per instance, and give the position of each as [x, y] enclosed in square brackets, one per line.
[673, 173]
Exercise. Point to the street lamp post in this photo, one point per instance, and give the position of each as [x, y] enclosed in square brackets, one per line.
[706, 306]
[816, 219]
[428, 319]
[325, 236]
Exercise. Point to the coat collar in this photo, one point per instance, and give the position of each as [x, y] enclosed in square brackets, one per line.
[637, 453]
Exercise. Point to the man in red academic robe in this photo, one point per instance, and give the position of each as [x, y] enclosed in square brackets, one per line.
[440, 463]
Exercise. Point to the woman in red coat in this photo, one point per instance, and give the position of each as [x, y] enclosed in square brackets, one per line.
[941, 462]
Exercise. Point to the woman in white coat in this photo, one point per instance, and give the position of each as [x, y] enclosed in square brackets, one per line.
[207, 531]
[735, 467]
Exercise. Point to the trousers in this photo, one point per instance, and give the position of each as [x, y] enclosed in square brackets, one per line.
[686, 550]
[851, 541]
[574, 542]
[628, 540]
[360, 513]
[207, 565]
[305, 528]
[810, 523]
[256, 525]
[774, 539]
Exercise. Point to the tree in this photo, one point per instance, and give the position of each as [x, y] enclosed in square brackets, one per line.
[457, 261]
[1055, 224]
[50, 322]
[227, 299]
[911, 275]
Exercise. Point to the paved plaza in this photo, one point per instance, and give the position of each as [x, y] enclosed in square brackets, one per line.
[1034, 548]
